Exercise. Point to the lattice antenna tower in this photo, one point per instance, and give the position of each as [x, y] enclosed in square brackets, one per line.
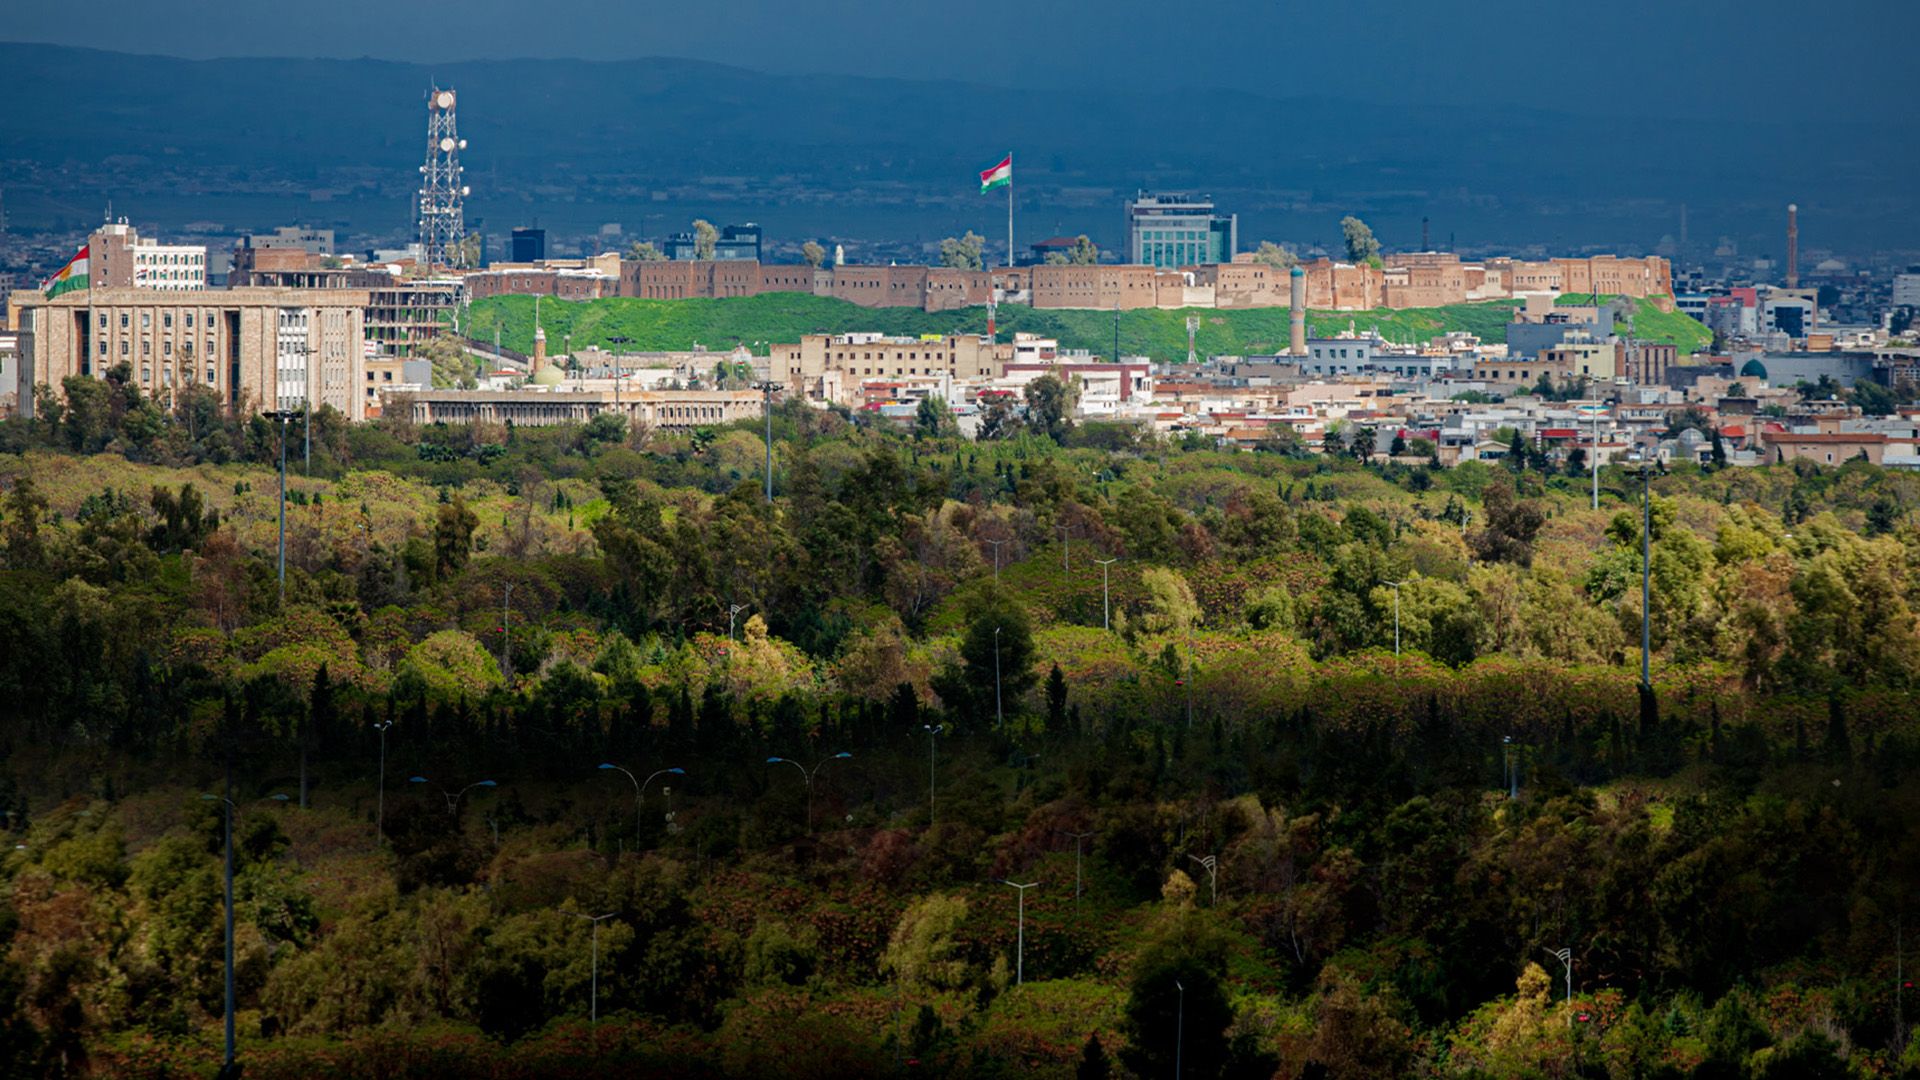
[441, 219]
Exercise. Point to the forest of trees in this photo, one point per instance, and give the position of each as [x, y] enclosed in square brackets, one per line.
[1315, 764]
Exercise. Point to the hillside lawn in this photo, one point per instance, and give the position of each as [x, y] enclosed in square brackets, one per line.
[757, 321]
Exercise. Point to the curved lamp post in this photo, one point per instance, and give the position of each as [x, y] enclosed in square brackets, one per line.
[226, 811]
[452, 797]
[809, 774]
[640, 788]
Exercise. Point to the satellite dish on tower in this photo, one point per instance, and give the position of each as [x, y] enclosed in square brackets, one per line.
[444, 99]
[446, 144]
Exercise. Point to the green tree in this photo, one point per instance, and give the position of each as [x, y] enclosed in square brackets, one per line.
[813, 254]
[705, 237]
[644, 251]
[1175, 1002]
[1050, 405]
[22, 509]
[933, 420]
[453, 536]
[1084, 252]
[999, 640]
[1275, 255]
[964, 253]
[1361, 245]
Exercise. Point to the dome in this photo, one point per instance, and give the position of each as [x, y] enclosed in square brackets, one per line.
[547, 376]
[1753, 369]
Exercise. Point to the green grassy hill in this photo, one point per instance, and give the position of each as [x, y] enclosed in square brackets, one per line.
[782, 317]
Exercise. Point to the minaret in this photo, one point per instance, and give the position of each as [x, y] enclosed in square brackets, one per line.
[1297, 299]
[539, 342]
[1793, 245]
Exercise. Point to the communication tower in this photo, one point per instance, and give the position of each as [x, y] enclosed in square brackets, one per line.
[442, 225]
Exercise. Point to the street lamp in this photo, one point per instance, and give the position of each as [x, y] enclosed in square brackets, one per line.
[595, 998]
[766, 408]
[1179, 1027]
[1513, 774]
[809, 774]
[1106, 607]
[1396, 622]
[1077, 838]
[996, 557]
[640, 791]
[1212, 863]
[1565, 956]
[452, 797]
[227, 1068]
[933, 732]
[733, 612]
[998, 716]
[282, 415]
[380, 800]
[1020, 949]
[1645, 472]
[1066, 543]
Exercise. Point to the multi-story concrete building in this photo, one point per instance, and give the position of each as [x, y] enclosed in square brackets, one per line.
[120, 258]
[734, 243]
[528, 245]
[667, 410]
[822, 366]
[311, 241]
[257, 348]
[1170, 231]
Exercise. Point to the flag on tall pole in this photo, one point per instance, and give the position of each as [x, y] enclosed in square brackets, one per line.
[1000, 175]
[72, 276]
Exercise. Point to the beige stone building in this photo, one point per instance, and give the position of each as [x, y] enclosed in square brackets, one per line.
[819, 363]
[257, 348]
[666, 410]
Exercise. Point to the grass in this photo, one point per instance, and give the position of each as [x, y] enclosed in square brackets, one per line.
[756, 321]
[1652, 324]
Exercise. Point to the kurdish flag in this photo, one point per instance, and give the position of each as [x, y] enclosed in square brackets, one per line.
[1000, 175]
[71, 276]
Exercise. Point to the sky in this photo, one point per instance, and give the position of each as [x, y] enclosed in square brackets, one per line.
[1709, 59]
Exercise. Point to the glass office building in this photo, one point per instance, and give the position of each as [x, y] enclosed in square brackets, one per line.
[1171, 231]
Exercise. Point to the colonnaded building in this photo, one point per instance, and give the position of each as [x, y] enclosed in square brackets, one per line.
[257, 348]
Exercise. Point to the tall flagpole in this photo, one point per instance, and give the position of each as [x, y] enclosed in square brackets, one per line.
[1009, 211]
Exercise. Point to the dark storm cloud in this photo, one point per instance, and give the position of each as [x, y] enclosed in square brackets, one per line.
[1695, 58]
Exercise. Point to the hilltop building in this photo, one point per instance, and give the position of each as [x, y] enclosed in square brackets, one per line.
[1168, 231]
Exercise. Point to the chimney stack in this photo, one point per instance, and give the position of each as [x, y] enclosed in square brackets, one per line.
[1793, 245]
[1298, 312]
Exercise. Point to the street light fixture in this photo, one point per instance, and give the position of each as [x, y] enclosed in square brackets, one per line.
[1106, 607]
[226, 810]
[1513, 773]
[1212, 863]
[999, 717]
[809, 774]
[766, 389]
[380, 800]
[452, 797]
[640, 791]
[996, 557]
[733, 612]
[595, 997]
[1179, 1027]
[1396, 622]
[1077, 838]
[1066, 543]
[283, 415]
[1645, 471]
[933, 733]
[1565, 956]
[1020, 949]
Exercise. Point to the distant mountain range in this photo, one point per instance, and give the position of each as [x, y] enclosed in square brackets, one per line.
[250, 143]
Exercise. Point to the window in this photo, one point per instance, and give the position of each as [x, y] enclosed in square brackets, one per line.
[146, 319]
[123, 320]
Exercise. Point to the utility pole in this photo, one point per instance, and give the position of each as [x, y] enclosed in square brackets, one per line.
[933, 733]
[595, 998]
[1066, 544]
[1212, 863]
[998, 717]
[506, 636]
[996, 558]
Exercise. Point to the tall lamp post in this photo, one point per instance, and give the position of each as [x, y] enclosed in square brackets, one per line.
[1020, 949]
[1077, 838]
[640, 790]
[996, 557]
[733, 612]
[380, 800]
[1565, 956]
[282, 415]
[998, 717]
[809, 774]
[933, 737]
[1106, 605]
[1513, 774]
[766, 389]
[452, 797]
[1396, 619]
[1066, 544]
[594, 998]
[1645, 472]
[1179, 1027]
[1212, 863]
[226, 809]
